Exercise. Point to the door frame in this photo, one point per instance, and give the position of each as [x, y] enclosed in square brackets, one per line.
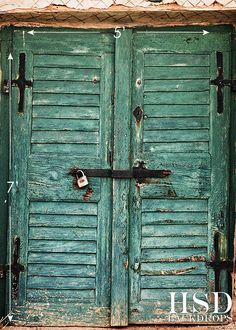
[119, 301]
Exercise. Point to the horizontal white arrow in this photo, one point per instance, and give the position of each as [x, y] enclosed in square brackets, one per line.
[203, 32]
[33, 32]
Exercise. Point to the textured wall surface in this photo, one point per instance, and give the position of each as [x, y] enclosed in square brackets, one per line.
[86, 4]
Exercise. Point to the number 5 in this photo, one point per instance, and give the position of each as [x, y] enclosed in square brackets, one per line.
[117, 34]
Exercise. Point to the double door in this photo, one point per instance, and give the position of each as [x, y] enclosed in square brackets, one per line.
[111, 253]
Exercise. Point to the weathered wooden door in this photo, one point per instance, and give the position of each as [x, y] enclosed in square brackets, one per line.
[113, 254]
[178, 222]
[65, 122]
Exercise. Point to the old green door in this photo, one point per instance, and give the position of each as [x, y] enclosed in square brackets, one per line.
[176, 221]
[111, 255]
[65, 122]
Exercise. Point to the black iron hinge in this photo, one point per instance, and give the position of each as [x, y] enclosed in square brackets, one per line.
[220, 82]
[16, 268]
[20, 82]
[217, 263]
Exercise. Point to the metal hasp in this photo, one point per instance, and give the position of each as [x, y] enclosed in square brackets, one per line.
[15, 268]
[220, 82]
[21, 83]
[217, 264]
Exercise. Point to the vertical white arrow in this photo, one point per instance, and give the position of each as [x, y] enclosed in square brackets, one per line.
[10, 58]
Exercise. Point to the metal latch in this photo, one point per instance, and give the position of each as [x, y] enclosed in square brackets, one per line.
[135, 173]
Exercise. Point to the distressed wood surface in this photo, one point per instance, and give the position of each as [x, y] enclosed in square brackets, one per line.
[171, 226]
[121, 160]
[66, 123]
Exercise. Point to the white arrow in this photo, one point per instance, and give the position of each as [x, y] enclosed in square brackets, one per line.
[203, 32]
[10, 58]
[33, 32]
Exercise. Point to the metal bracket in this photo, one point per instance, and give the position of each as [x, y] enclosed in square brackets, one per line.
[220, 82]
[16, 268]
[221, 264]
[21, 83]
[135, 173]
[217, 263]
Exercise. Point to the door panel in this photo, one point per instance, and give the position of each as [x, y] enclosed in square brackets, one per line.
[66, 124]
[111, 255]
[174, 219]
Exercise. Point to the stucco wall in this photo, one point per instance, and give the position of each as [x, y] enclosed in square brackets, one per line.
[86, 4]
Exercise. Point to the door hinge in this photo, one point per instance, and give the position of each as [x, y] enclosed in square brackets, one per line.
[16, 268]
[217, 263]
[20, 82]
[221, 264]
[220, 82]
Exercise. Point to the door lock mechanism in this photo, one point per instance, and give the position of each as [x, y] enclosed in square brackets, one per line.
[138, 113]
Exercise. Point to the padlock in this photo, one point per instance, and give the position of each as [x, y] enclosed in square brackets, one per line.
[82, 181]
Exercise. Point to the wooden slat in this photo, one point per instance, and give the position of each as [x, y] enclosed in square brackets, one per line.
[160, 268]
[65, 124]
[157, 218]
[176, 97]
[66, 99]
[61, 220]
[174, 230]
[176, 123]
[63, 148]
[48, 187]
[174, 205]
[170, 254]
[179, 241]
[62, 270]
[72, 74]
[81, 234]
[176, 135]
[55, 296]
[189, 162]
[64, 208]
[176, 72]
[181, 184]
[175, 59]
[68, 60]
[173, 110]
[37, 245]
[164, 295]
[66, 87]
[176, 147]
[62, 258]
[188, 85]
[62, 163]
[66, 112]
[165, 282]
[60, 283]
[64, 137]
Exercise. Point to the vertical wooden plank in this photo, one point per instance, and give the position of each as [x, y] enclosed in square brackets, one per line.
[4, 143]
[105, 203]
[219, 150]
[121, 160]
[136, 147]
[21, 125]
[232, 238]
